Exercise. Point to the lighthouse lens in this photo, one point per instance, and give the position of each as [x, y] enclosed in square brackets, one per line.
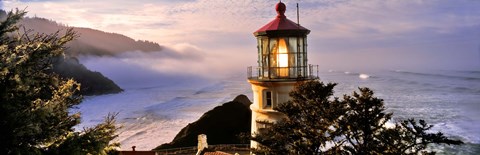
[282, 53]
[282, 57]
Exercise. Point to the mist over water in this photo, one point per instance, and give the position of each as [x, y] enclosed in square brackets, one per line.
[162, 95]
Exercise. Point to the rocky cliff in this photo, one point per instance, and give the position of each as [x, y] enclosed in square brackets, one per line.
[222, 125]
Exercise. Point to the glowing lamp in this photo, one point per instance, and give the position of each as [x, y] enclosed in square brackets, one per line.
[282, 57]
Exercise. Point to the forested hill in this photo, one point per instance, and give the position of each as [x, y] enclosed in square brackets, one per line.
[89, 42]
[92, 83]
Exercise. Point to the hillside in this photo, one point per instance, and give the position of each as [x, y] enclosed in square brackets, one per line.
[90, 42]
[222, 125]
[92, 83]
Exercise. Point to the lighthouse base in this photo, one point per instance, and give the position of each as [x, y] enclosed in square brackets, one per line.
[266, 96]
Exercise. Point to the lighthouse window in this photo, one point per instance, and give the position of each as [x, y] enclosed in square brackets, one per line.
[262, 126]
[268, 96]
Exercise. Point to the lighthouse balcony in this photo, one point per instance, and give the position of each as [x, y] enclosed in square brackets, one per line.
[309, 72]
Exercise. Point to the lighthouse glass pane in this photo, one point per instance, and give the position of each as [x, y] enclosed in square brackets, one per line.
[304, 50]
[292, 56]
[260, 52]
[305, 58]
[264, 58]
[259, 48]
[273, 62]
[301, 58]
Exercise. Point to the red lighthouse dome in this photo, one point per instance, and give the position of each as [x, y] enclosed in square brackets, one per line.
[281, 26]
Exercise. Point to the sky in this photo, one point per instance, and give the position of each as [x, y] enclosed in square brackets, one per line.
[345, 34]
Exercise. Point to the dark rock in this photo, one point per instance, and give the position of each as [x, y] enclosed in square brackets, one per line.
[222, 125]
[243, 99]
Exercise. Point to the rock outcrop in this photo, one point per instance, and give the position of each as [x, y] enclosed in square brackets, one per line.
[222, 125]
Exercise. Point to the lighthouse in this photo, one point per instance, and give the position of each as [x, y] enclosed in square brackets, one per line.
[282, 64]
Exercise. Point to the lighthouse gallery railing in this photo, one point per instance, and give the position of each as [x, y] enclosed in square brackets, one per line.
[275, 73]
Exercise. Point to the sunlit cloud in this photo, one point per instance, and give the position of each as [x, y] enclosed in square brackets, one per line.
[396, 33]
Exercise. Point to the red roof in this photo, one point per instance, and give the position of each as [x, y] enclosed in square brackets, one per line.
[137, 153]
[281, 23]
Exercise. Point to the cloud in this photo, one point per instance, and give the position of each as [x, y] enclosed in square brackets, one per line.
[412, 34]
[181, 64]
[146, 69]
[181, 60]
[390, 30]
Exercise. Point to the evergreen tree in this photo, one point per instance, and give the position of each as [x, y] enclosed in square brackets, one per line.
[317, 123]
[35, 102]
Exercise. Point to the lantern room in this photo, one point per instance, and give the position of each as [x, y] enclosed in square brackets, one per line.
[282, 49]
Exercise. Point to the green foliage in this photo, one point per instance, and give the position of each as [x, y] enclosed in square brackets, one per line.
[365, 118]
[35, 102]
[92, 140]
[317, 123]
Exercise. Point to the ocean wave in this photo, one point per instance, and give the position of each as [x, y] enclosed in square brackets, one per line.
[456, 129]
[360, 75]
[470, 72]
[462, 89]
[364, 76]
[213, 88]
[172, 104]
[438, 75]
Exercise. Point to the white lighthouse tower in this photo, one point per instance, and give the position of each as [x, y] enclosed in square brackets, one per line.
[282, 64]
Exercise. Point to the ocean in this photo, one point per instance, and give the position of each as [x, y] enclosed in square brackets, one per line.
[152, 115]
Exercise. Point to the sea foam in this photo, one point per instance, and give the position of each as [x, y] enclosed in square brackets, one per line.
[364, 76]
